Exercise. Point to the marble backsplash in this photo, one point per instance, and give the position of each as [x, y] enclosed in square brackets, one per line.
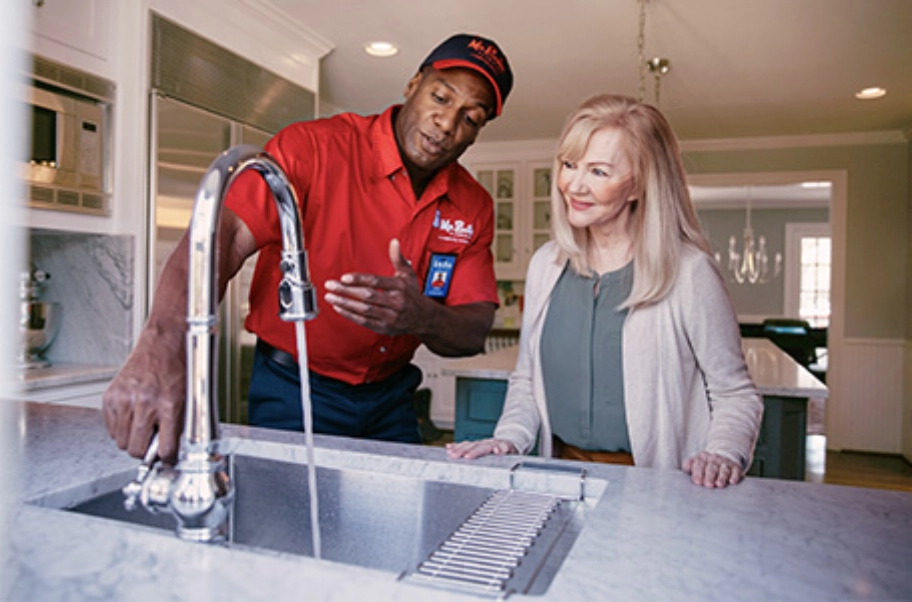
[92, 278]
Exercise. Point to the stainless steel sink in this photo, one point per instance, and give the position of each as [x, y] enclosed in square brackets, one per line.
[379, 520]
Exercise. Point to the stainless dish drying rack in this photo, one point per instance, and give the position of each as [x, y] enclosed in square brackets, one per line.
[515, 541]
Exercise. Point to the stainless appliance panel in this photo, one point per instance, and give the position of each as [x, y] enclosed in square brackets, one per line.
[186, 140]
[205, 99]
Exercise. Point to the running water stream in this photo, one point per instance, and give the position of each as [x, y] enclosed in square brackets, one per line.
[308, 437]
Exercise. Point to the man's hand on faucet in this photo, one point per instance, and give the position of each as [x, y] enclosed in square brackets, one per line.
[148, 392]
[148, 395]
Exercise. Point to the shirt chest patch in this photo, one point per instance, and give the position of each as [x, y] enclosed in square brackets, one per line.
[453, 229]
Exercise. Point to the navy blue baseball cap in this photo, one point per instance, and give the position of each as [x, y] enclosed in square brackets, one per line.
[477, 53]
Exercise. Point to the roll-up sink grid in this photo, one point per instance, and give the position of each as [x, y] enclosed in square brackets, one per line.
[488, 541]
[504, 545]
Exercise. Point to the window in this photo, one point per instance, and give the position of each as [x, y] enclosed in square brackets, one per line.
[808, 264]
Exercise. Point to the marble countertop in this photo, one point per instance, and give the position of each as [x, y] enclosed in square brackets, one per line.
[774, 371]
[649, 535]
[61, 374]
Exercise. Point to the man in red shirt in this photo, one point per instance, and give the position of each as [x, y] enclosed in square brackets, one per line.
[398, 237]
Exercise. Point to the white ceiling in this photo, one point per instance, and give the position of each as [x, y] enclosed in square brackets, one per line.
[739, 68]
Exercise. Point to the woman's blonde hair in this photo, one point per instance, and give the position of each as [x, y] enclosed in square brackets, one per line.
[663, 218]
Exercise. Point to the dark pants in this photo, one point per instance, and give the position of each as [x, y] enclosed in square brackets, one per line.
[383, 410]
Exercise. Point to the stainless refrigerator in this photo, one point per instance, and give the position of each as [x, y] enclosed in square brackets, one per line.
[186, 140]
[204, 99]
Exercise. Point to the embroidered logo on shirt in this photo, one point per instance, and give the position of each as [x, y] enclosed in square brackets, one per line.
[455, 230]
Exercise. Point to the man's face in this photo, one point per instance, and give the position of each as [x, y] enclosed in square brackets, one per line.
[441, 117]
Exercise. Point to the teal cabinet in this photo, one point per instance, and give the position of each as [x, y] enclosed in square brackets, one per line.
[779, 454]
[781, 444]
[479, 403]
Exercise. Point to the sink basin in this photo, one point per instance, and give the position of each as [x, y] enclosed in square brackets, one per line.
[373, 520]
[379, 520]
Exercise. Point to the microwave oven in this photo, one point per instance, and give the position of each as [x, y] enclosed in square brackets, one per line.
[67, 163]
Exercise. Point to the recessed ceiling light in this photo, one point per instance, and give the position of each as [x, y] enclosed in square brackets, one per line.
[815, 184]
[869, 93]
[381, 49]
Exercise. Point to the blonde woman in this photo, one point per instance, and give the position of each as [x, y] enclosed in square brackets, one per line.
[630, 350]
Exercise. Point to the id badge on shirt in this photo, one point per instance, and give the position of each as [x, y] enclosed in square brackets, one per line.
[439, 274]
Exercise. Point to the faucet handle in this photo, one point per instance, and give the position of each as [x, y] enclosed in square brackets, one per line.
[134, 488]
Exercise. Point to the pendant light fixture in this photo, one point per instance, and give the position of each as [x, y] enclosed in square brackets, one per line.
[657, 66]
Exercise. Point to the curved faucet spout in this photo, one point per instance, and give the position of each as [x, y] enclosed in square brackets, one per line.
[297, 297]
[198, 490]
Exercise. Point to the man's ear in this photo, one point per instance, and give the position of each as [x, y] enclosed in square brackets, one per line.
[413, 84]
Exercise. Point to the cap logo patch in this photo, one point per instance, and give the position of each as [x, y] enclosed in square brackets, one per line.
[489, 54]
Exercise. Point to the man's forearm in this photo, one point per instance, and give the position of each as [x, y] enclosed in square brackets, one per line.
[459, 330]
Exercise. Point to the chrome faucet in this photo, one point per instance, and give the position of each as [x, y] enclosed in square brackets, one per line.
[198, 491]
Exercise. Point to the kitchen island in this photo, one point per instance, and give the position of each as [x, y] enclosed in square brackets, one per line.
[786, 387]
[773, 371]
[648, 534]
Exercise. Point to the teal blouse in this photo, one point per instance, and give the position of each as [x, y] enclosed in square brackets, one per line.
[581, 359]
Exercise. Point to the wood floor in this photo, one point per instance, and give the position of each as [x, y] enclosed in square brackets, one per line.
[879, 471]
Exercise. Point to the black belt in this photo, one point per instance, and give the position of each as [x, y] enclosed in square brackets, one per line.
[283, 358]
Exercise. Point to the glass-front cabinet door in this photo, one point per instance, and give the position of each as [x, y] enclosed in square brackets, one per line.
[522, 212]
[501, 181]
[540, 174]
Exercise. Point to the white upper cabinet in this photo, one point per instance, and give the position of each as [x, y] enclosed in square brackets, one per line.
[61, 27]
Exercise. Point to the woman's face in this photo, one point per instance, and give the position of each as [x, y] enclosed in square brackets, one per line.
[599, 188]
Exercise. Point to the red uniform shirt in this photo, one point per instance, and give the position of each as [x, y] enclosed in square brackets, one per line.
[355, 197]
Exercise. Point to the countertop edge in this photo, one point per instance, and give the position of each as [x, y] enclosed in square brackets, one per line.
[64, 374]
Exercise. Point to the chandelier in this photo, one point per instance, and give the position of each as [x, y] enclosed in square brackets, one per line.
[751, 264]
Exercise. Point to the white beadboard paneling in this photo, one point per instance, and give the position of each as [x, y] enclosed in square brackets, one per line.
[867, 412]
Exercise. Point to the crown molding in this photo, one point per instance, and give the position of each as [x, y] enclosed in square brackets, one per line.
[513, 150]
[780, 142]
[538, 149]
[279, 18]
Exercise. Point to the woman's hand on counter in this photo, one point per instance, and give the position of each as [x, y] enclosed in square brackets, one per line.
[476, 449]
[713, 471]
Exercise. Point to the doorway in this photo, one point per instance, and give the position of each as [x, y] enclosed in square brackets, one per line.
[837, 225]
